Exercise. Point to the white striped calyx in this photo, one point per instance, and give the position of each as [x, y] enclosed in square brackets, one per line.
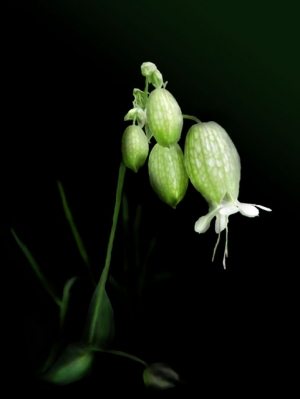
[167, 173]
[212, 162]
[135, 147]
[164, 117]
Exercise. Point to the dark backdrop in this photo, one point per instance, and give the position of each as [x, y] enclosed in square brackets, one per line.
[72, 66]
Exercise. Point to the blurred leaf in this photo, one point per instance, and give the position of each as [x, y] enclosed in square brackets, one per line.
[160, 376]
[113, 282]
[143, 269]
[74, 364]
[158, 277]
[36, 269]
[75, 232]
[100, 327]
[137, 234]
[65, 299]
[51, 358]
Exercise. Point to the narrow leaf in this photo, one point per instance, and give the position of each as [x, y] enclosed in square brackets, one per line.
[75, 232]
[36, 268]
[65, 299]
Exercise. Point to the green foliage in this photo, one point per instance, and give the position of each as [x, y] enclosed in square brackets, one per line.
[74, 364]
[74, 230]
[65, 299]
[36, 269]
[100, 327]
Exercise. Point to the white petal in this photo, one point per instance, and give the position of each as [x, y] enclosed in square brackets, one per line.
[202, 224]
[221, 223]
[247, 209]
[264, 208]
[229, 210]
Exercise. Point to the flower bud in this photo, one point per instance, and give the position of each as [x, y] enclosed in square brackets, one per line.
[167, 173]
[152, 73]
[164, 117]
[147, 68]
[135, 147]
[136, 114]
[212, 162]
[160, 376]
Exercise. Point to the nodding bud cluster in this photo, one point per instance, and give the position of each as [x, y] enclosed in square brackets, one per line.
[210, 159]
[160, 115]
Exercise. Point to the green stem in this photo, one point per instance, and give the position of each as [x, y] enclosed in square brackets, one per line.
[193, 118]
[101, 285]
[146, 91]
[124, 354]
[120, 353]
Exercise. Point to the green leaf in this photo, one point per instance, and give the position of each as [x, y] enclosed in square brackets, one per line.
[74, 364]
[100, 327]
[139, 99]
[55, 349]
[75, 232]
[65, 299]
[36, 268]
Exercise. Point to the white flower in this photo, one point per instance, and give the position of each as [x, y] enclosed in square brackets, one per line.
[222, 213]
[213, 166]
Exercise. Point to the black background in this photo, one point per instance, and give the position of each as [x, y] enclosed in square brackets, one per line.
[72, 66]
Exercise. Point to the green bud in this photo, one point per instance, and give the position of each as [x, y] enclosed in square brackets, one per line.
[135, 147]
[147, 68]
[138, 114]
[212, 162]
[159, 376]
[156, 79]
[164, 117]
[167, 173]
[152, 73]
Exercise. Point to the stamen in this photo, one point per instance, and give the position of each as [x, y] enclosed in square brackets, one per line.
[226, 246]
[216, 246]
[218, 240]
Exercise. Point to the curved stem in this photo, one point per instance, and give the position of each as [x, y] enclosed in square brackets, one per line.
[120, 353]
[193, 118]
[146, 91]
[101, 285]
[124, 354]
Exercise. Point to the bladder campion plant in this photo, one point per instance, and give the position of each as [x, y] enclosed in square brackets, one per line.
[212, 164]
